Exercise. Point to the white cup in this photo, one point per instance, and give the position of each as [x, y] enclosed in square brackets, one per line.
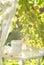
[17, 46]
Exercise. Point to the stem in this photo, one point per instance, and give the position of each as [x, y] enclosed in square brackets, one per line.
[38, 61]
[1, 63]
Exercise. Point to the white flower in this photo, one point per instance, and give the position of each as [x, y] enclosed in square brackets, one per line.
[7, 49]
[35, 3]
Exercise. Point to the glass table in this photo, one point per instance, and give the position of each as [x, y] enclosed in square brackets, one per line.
[22, 53]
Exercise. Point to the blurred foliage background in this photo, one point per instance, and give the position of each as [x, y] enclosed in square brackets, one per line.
[28, 25]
